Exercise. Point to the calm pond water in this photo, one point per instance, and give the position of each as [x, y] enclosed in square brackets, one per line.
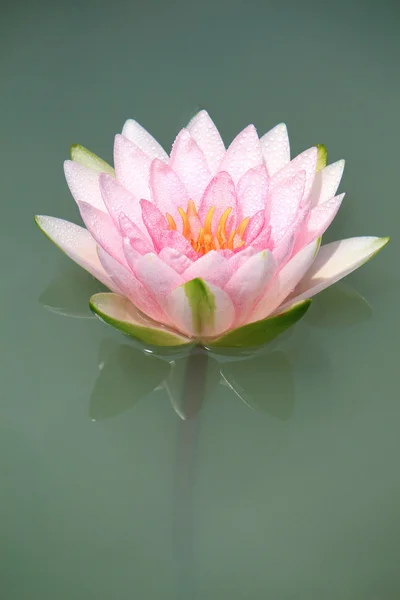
[285, 483]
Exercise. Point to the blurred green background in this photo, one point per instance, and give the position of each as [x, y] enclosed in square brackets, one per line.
[291, 494]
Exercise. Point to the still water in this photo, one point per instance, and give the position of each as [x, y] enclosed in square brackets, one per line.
[284, 483]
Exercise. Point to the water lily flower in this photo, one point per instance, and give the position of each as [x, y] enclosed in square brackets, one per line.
[207, 245]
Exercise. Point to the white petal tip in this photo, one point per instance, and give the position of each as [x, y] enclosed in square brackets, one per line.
[381, 243]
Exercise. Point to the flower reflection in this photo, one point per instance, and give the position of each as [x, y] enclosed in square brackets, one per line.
[126, 376]
[339, 306]
[189, 381]
[67, 295]
[275, 395]
[264, 379]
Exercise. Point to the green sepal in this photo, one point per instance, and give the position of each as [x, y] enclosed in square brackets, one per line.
[88, 159]
[261, 332]
[118, 312]
[202, 303]
[322, 157]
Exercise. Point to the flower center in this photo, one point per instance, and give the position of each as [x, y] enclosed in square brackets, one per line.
[201, 236]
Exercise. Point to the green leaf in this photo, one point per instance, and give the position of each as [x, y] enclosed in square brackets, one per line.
[89, 159]
[322, 158]
[121, 314]
[261, 332]
[202, 303]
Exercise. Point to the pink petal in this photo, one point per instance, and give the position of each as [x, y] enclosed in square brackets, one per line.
[78, 244]
[102, 228]
[179, 262]
[144, 140]
[132, 254]
[334, 261]
[318, 221]
[263, 240]
[155, 222]
[168, 191]
[180, 312]
[238, 259]
[132, 167]
[276, 148]
[285, 201]
[158, 277]
[132, 288]
[189, 162]
[118, 200]
[205, 133]
[326, 183]
[221, 194]
[174, 239]
[212, 268]
[84, 184]
[226, 253]
[139, 241]
[248, 283]
[252, 191]
[307, 162]
[284, 249]
[255, 226]
[243, 154]
[285, 281]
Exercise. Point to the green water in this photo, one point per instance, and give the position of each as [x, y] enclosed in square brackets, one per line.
[285, 485]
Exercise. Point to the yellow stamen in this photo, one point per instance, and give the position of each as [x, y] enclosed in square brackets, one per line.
[208, 221]
[242, 227]
[202, 238]
[230, 241]
[185, 223]
[200, 241]
[171, 222]
[191, 209]
[221, 229]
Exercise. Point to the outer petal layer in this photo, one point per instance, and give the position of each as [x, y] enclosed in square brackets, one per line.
[275, 148]
[318, 221]
[335, 261]
[326, 183]
[132, 167]
[132, 288]
[249, 282]
[307, 162]
[102, 228]
[121, 314]
[243, 154]
[77, 243]
[285, 281]
[88, 159]
[188, 161]
[83, 184]
[118, 200]
[261, 332]
[200, 310]
[207, 136]
[158, 277]
[144, 140]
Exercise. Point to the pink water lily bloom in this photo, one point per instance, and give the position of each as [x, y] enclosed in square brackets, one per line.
[210, 245]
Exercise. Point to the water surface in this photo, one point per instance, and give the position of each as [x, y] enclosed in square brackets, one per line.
[285, 484]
